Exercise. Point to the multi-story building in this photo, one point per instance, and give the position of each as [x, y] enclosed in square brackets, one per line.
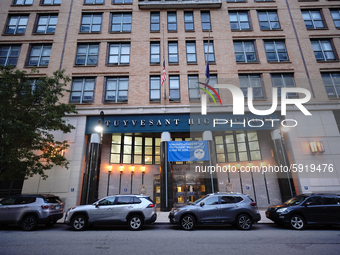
[114, 50]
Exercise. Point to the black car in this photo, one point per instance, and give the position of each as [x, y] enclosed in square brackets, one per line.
[323, 209]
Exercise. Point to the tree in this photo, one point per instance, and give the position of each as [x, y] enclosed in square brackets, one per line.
[29, 110]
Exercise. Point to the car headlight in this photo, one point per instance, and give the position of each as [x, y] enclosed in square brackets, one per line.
[282, 210]
[176, 210]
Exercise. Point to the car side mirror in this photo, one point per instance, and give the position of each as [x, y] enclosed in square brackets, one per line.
[96, 205]
[202, 204]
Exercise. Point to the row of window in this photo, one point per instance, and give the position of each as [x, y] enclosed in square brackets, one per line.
[58, 2]
[121, 22]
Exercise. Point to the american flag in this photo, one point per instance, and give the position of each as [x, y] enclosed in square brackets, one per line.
[164, 74]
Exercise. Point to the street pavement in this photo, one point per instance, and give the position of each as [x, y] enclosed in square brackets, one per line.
[163, 238]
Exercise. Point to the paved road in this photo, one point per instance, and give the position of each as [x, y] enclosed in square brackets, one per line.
[167, 239]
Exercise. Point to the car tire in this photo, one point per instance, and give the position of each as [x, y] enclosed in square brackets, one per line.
[135, 222]
[188, 222]
[297, 222]
[244, 222]
[50, 224]
[29, 223]
[79, 222]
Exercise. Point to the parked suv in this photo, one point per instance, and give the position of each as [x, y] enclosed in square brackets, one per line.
[217, 208]
[304, 209]
[30, 210]
[134, 210]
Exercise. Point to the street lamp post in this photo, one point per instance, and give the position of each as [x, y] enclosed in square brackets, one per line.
[132, 172]
[108, 179]
[143, 172]
[121, 169]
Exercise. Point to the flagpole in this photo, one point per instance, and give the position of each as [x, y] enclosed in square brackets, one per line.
[164, 61]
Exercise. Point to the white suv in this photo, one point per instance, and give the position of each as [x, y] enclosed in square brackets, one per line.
[133, 210]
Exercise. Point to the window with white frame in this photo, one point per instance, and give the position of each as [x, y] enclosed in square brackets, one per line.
[336, 17]
[87, 54]
[173, 52]
[122, 1]
[9, 54]
[91, 23]
[50, 2]
[245, 51]
[253, 81]
[239, 20]
[23, 2]
[93, 1]
[16, 24]
[155, 52]
[174, 88]
[189, 21]
[284, 80]
[313, 19]
[46, 24]
[323, 50]
[269, 20]
[119, 53]
[172, 21]
[191, 52]
[155, 21]
[155, 88]
[117, 89]
[206, 22]
[276, 51]
[211, 51]
[39, 55]
[121, 22]
[332, 84]
[194, 91]
[82, 90]
[231, 1]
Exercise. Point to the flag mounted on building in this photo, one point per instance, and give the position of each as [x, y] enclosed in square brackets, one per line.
[207, 73]
[164, 74]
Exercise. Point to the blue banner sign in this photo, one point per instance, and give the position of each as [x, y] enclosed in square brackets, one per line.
[188, 151]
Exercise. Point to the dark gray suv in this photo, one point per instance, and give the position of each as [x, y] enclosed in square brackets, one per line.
[217, 208]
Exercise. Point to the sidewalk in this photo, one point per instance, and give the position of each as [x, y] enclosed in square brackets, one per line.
[162, 217]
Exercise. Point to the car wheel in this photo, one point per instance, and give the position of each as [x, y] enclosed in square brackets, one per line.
[297, 222]
[188, 222]
[79, 222]
[135, 222]
[50, 224]
[29, 223]
[244, 222]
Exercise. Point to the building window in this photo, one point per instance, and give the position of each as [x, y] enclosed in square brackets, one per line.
[172, 21]
[155, 21]
[16, 24]
[253, 81]
[173, 52]
[323, 50]
[194, 91]
[94, 2]
[284, 81]
[276, 51]
[313, 19]
[155, 88]
[332, 84]
[40, 55]
[82, 90]
[237, 146]
[239, 21]
[122, 1]
[174, 88]
[189, 21]
[119, 53]
[155, 53]
[211, 51]
[336, 17]
[121, 22]
[245, 51]
[91, 23]
[50, 2]
[206, 24]
[23, 2]
[46, 24]
[117, 89]
[264, 0]
[233, 1]
[9, 54]
[135, 149]
[87, 54]
[191, 52]
[269, 20]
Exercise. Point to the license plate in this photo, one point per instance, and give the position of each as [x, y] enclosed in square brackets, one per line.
[57, 207]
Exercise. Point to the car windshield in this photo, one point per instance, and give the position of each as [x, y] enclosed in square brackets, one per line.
[199, 200]
[295, 200]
